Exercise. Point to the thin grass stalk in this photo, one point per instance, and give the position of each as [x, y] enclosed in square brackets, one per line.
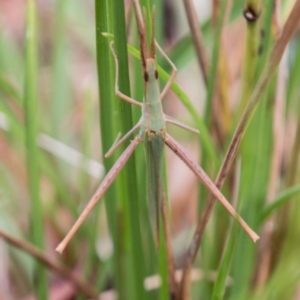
[288, 31]
[31, 113]
[60, 103]
[212, 84]
[53, 265]
[214, 64]
[197, 39]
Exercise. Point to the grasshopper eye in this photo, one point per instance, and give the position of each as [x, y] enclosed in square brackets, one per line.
[156, 74]
[146, 76]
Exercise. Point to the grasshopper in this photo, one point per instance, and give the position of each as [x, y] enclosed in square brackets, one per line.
[152, 132]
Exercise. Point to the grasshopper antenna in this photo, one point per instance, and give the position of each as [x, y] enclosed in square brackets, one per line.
[142, 34]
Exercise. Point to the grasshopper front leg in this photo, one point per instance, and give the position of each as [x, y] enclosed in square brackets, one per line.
[109, 178]
[173, 75]
[117, 91]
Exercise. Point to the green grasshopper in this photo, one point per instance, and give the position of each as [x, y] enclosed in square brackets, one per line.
[152, 131]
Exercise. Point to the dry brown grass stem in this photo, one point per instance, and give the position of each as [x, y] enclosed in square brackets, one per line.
[197, 39]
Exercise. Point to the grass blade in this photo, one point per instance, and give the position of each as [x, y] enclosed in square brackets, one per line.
[31, 113]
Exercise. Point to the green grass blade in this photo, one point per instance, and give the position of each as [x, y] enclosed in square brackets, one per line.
[108, 128]
[255, 155]
[224, 268]
[251, 53]
[279, 201]
[136, 262]
[31, 113]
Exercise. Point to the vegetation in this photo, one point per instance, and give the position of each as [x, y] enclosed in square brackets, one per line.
[235, 84]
